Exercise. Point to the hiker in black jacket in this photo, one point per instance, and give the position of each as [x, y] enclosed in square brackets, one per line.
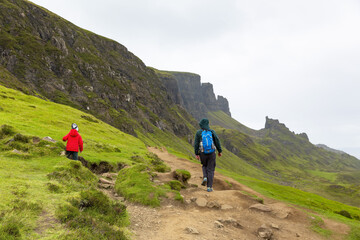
[207, 157]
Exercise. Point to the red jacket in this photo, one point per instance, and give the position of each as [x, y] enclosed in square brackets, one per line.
[74, 141]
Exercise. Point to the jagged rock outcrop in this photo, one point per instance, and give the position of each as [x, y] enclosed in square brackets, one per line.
[275, 124]
[196, 97]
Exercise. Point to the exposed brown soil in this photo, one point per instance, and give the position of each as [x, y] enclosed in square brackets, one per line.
[175, 220]
[45, 222]
[187, 220]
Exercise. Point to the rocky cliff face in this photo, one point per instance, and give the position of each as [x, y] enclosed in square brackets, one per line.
[66, 64]
[196, 97]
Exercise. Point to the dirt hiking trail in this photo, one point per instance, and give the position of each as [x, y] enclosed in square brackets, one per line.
[229, 212]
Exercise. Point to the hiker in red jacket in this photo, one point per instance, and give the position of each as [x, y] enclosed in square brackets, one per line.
[74, 142]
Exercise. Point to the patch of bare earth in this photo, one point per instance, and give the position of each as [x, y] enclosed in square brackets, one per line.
[45, 222]
[226, 213]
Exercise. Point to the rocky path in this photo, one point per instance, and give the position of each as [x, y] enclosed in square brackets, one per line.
[229, 212]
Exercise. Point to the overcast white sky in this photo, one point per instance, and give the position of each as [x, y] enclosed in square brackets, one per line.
[296, 61]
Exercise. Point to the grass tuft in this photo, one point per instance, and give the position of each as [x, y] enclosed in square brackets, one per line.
[344, 213]
[178, 197]
[93, 215]
[317, 225]
[176, 185]
[22, 205]
[182, 175]
[73, 174]
[21, 138]
[54, 188]
[7, 130]
[134, 184]
[354, 233]
[66, 212]
[157, 163]
[10, 229]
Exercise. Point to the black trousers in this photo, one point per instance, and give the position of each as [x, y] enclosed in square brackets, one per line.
[208, 162]
[72, 155]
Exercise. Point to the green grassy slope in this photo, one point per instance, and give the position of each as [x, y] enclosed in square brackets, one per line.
[45, 195]
[290, 159]
[34, 116]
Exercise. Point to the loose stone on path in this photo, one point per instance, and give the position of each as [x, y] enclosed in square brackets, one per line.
[213, 204]
[104, 181]
[192, 230]
[226, 207]
[201, 202]
[218, 224]
[261, 207]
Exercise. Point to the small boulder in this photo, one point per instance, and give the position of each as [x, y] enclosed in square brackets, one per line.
[121, 199]
[192, 230]
[16, 151]
[282, 214]
[218, 224]
[49, 139]
[193, 199]
[265, 232]
[261, 207]
[104, 186]
[201, 202]
[231, 221]
[109, 175]
[104, 181]
[275, 226]
[226, 207]
[213, 204]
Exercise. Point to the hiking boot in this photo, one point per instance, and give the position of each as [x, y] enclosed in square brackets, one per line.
[204, 181]
[209, 189]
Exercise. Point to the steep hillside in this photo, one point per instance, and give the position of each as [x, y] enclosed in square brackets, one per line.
[53, 58]
[291, 159]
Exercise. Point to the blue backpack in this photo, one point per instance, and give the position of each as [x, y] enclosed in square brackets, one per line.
[207, 142]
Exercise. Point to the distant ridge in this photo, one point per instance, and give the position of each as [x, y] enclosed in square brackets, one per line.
[323, 146]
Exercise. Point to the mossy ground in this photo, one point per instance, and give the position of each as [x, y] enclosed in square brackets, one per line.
[133, 183]
[36, 181]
